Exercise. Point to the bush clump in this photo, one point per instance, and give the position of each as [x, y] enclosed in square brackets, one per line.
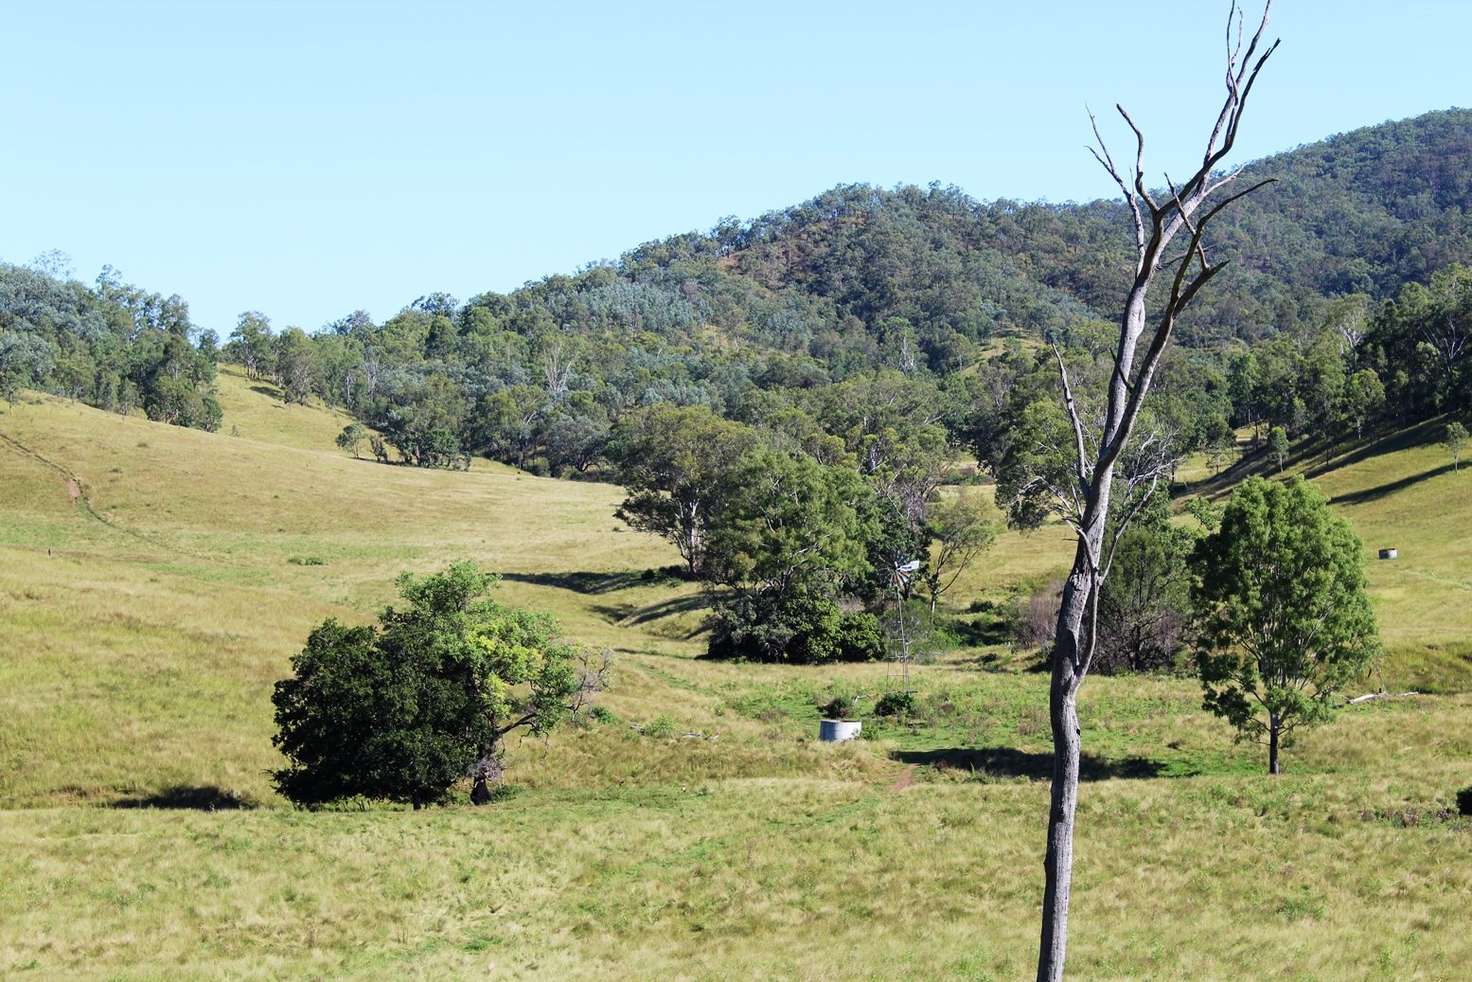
[804, 629]
[842, 705]
[898, 703]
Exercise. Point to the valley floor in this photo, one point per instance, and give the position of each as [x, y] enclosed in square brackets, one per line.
[154, 583]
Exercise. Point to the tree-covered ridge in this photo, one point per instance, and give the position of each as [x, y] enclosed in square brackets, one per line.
[110, 345]
[757, 320]
[1366, 212]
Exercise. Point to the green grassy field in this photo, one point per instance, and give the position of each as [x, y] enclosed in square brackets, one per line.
[154, 582]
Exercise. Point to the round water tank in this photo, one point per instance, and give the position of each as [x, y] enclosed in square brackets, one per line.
[838, 730]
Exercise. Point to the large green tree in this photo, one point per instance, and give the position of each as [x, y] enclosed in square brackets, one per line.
[403, 711]
[677, 463]
[790, 537]
[1282, 618]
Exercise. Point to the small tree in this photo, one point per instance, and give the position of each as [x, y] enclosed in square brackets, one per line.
[296, 367]
[789, 537]
[379, 448]
[351, 438]
[1455, 440]
[1145, 604]
[403, 711]
[1364, 396]
[1278, 446]
[1218, 452]
[251, 343]
[1281, 612]
[962, 529]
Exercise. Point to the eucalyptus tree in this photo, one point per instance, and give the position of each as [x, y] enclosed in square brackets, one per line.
[1455, 439]
[1101, 444]
[1283, 620]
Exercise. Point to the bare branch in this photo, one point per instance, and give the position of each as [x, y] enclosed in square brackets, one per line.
[1078, 426]
[1140, 188]
[1107, 162]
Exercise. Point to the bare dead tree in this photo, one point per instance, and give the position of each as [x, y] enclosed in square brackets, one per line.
[1348, 320]
[1159, 220]
[1450, 336]
[557, 366]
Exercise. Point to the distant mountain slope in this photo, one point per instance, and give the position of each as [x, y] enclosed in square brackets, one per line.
[1365, 211]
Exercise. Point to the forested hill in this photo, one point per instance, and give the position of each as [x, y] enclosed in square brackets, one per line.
[1363, 212]
[861, 295]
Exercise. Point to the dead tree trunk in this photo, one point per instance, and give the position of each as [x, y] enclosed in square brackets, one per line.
[1156, 225]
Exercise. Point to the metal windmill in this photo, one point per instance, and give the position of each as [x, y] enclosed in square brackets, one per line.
[901, 577]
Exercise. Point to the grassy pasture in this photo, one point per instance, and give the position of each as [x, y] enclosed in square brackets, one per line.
[700, 832]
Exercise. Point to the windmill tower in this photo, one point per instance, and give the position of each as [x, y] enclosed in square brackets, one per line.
[902, 637]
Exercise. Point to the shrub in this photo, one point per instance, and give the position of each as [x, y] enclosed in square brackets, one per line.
[804, 629]
[404, 710]
[1034, 617]
[860, 637]
[357, 718]
[841, 705]
[661, 726]
[898, 703]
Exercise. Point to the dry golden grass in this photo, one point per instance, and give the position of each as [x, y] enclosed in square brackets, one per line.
[700, 833]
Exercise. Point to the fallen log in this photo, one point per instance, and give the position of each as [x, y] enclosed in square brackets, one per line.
[1372, 696]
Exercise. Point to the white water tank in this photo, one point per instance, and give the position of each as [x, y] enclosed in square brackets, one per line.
[838, 730]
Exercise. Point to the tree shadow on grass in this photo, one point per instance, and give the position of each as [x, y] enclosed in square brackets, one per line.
[1011, 762]
[594, 583]
[629, 614]
[186, 797]
[1412, 436]
[1390, 487]
[980, 631]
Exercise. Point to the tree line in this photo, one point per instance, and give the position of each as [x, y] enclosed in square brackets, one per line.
[110, 345]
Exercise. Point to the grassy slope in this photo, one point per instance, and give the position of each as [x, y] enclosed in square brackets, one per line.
[140, 642]
[1400, 490]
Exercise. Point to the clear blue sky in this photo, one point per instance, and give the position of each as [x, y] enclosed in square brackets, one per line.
[308, 158]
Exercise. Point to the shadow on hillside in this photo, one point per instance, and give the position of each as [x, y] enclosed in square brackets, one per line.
[978, 632]
[591, 583]
[633, 614]
[185, 797]
[269, 390]
[1389, 487]
[1316, 458]
[1412, 436]
[1010, 762]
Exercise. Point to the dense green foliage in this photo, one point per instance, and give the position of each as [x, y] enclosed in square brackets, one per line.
[1145, 603]
[757, 320]
[404, 711]
[1283, 621]
[789, 527]
[111, 345]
